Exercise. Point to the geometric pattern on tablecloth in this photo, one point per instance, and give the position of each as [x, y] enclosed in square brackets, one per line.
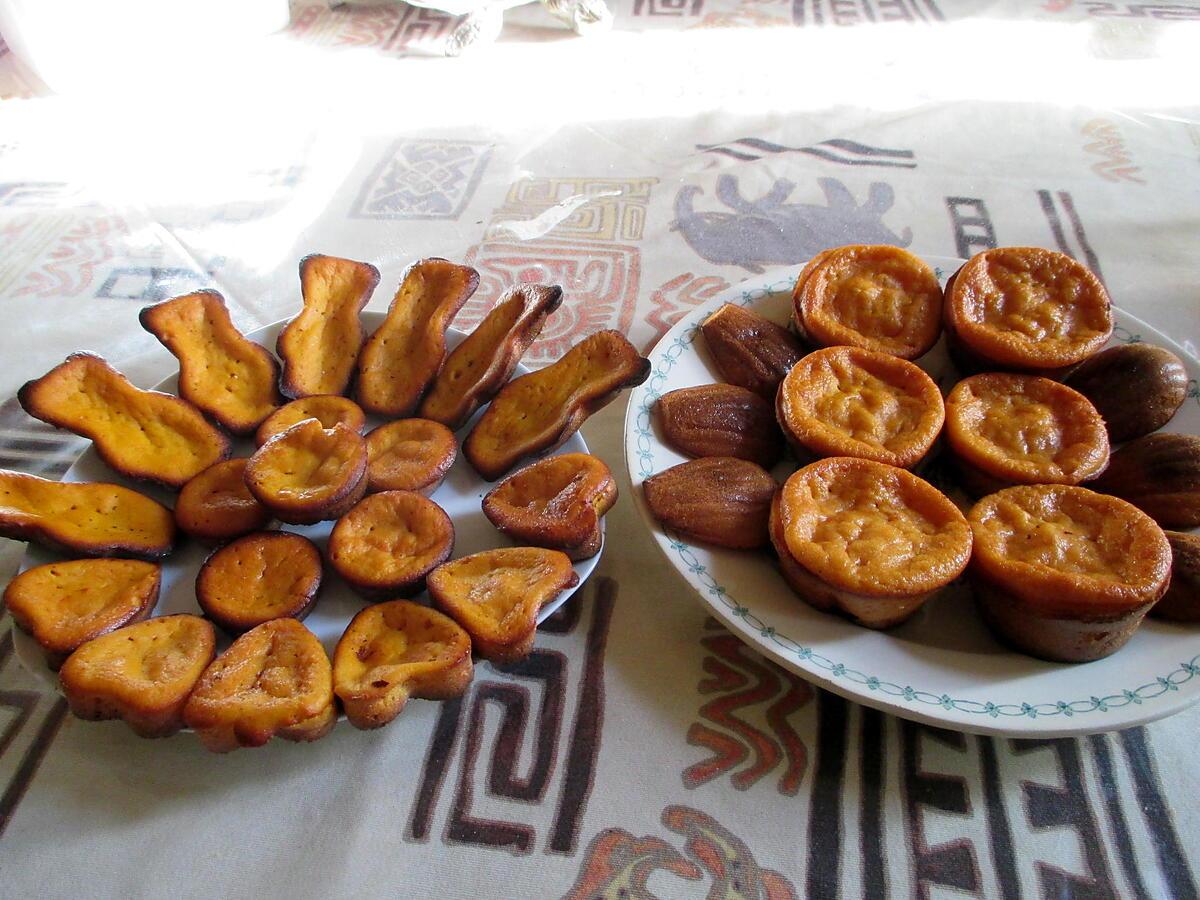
[592, 209]
[677, 296]
[864, 12]
[599, 281]
[423, 179]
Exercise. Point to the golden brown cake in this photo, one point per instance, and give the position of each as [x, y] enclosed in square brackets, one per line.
[387, 544]
[847, 401]
[1064, 573]
[870, 541]
[409, 455]
[1006, 428]
[396, 650]
[1160, 475]
[1027, 309]
[716, 500]
[873, 296]
[496, 595]
[216, 506]
[308, 473]
[556, 502]
[65, 604]
[328, 409]
[749, 350]
[720, 420]
[142, 674]
[1181, 602]
[274, 680]
[262, 576]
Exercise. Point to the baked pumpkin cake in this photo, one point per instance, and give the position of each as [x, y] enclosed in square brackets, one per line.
[328, 409]
[395, 650]
[1006, 428]
[216, 505]
[409, 455]
[1064, 573]
[65, 604]
[1027, 309]
[867, 540]
[259, 577]
[874, 296]
[308, 473]
[388, 543]
[848, 401]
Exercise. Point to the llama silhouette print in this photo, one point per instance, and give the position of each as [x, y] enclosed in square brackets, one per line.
[770, 231]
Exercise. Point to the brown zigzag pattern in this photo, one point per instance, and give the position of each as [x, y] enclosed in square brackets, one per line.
[1115, 162]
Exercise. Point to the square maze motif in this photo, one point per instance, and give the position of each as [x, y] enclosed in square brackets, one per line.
[423, 179]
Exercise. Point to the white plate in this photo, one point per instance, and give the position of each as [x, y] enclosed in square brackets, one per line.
[941, 667]
[460, 495]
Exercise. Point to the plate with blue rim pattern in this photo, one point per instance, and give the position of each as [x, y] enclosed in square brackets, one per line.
[942, 667]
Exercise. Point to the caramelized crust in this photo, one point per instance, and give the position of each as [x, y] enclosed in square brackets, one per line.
[1022, 429]
[1068, 551]
[142, 673]
[94, 519]
[873, 529]
[142, 434]
[221, 373]
[1160, 475]
[319, 347]
[273, 680]
[389, 542]
[874, 296]
[539, 411]
[65, 604]
[749, 350]
[1027, 308]
[556, 502]
[328, 409]
[716, 500]
[496, 595]
[399, 361]
[409, 455]
[720, 420]
[309, 474]
[396, 650]
[1181, 602]
[847, 401]
[216, 505]
[478, 367]
[260, 577]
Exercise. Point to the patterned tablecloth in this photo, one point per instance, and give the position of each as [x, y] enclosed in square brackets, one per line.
[641, 750]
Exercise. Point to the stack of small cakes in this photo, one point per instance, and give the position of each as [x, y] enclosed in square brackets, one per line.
[1059, 571]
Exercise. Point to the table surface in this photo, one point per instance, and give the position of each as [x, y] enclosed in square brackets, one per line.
[641, 751]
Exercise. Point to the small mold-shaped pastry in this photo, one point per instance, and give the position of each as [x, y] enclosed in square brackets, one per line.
[142, 674]
[1025, 309]
[866, 540]
[65, 604]
[328, 409]
[92, 519]
[496, 595]
[396, 650]
[273, 680]
[399, 361]
[1181, 602]
[1160, 475]
[539, 411]
[221, 372]
[749, 350]
[720, 420]
[1006, 428]
[216, 506]
[260, 577]
[409, 455]
[309, 474]
[716, 500]
[847, 401]
[1137, 388]
[389, 543]
[1064, 573]
[556, 502]
[482, 364]
[874, 296]
[145, 435]
[319, 347]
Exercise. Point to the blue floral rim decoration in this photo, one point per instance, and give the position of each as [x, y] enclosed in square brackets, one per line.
[661, 368]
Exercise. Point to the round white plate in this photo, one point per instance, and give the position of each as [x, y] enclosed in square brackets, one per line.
[460, 495]
[941, 667]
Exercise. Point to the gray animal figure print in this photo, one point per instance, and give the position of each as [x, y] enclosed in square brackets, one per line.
[769, 231]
